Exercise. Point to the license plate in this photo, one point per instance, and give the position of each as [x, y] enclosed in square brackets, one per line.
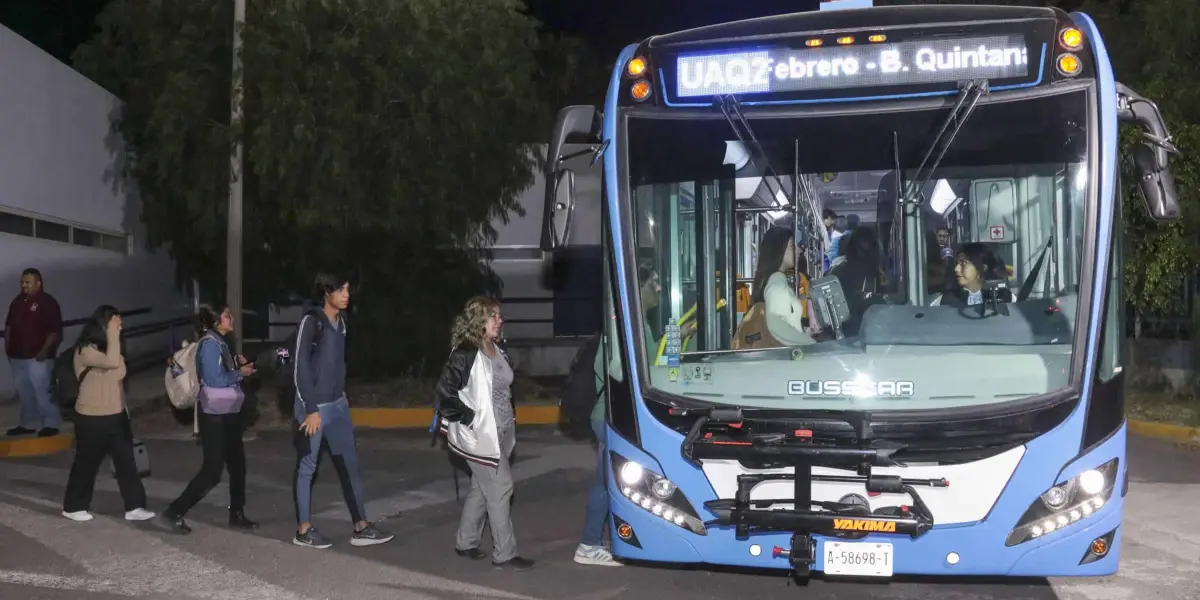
[863, 559]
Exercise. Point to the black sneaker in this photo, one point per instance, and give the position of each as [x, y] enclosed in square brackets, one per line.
[516, 563]
[312, 539]
[47, 432]
[370, 536]
[15, 431]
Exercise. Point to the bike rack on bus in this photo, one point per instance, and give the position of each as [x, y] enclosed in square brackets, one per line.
[722, 433]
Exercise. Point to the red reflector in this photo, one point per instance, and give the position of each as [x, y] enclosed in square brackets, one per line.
[735, 425]
[873, 494]
[804, 433]
[708, 436]
[903, 508]
[946, 482]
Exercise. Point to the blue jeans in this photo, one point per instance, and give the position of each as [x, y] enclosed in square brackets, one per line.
[32, 379]
[597, 506]
[336, 433]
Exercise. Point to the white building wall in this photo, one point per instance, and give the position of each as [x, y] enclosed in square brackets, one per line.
[60, 168]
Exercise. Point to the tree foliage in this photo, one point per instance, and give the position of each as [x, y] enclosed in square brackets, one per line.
[1155, 48]
[382, 138]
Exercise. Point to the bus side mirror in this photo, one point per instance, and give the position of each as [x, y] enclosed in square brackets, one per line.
[1157, 187]
[1156, 184]
[575, 124]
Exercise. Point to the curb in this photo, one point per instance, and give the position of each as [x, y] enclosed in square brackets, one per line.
[36, 446]
[1165, 431]
[414, 418]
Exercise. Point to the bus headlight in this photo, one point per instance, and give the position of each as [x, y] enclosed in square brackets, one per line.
[655, 494]
[1066, 504]
[632, 473]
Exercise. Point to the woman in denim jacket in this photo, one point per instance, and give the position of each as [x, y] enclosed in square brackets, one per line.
[220, 405]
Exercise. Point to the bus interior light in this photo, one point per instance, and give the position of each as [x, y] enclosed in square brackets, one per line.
[1071, 38]
[814, 42]
[875, 39]
[846, 39]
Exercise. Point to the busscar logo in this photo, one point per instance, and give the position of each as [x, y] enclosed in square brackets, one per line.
[864, 525]
[839, 389]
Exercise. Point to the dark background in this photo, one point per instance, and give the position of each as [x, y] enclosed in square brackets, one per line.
[58, 26]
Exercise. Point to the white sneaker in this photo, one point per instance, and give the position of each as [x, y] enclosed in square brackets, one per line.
[595, 555]
[139, 514]
[79, 515]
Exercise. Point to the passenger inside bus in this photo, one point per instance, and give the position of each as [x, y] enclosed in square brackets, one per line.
[651, 291]
[783, 309]
[861, 274]
[975, 266]
[837, 254]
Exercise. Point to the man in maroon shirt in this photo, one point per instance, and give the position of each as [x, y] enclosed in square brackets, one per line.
[32, 332]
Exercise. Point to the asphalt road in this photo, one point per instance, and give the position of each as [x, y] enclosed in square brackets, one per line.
[44, 556]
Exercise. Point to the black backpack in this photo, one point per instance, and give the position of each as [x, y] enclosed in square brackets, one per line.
[64, 385]
[579, 393]
[285, 372]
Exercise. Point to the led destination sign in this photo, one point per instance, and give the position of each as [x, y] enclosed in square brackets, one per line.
[875, 65]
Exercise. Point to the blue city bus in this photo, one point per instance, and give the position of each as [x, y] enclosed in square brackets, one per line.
[889, 432]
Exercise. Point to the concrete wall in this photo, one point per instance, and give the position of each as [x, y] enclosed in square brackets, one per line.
[66, 210]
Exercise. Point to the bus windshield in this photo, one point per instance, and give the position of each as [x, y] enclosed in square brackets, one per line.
[966, 297]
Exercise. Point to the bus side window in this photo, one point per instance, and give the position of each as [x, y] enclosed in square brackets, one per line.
[1112, 340]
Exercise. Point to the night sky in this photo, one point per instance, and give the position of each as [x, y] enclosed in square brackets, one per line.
[58, 26]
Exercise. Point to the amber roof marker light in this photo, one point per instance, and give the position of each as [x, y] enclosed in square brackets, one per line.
[1070, 38]
[640, 90]
[635, 67]
[1069, 65]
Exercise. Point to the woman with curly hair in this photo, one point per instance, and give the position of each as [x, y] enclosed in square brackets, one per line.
[475, 403]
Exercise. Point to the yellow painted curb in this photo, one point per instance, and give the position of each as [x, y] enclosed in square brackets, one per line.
[1166, 431]
[405, 418]
[36, 446]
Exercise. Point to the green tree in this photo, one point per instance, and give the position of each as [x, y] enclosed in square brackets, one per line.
[382, 137]
[1155, 49]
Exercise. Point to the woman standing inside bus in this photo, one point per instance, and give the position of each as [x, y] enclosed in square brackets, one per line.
[785, 311]
[474, 396]
[220, 418]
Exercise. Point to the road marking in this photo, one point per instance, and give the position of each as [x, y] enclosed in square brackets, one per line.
[551, 458]
[58, 582]
[156, 487]
[137, 563]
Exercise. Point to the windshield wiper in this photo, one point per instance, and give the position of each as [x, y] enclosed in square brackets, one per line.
[964, 106]
[731, 109]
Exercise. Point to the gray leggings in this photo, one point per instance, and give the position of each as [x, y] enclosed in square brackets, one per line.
[490, 500]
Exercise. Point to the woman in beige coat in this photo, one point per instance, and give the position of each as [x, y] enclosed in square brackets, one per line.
[101, 420]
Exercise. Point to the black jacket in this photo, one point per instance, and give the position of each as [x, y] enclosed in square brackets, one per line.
[454, 378]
